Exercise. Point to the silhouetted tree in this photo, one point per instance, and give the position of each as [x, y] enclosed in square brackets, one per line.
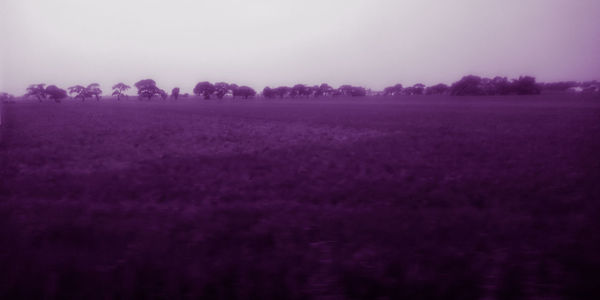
[147, 88]
[94, 90]
[525, 85]
[163, 94]
[36, 90]
[55, 93]
[468, 85]
[232, 88]
[486, 86]
[119, 90]
[322, 90]
[358, 91]
[244, 91]
[345, 90]
[79, 91]
[437, 89]
[205, 89]
[316, 91]
[354, 91]
[6, 97]
[282, 91]
[501, 86]
[313, 91]
[326, 88]
[416, 89]
[175, 93]
[221, 89]
[299, 90]
[395, 90]
[268, 92]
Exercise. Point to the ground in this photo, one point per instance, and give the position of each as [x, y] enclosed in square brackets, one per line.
[413, 198]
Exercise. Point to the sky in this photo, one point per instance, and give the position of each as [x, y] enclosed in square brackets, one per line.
[373, 43]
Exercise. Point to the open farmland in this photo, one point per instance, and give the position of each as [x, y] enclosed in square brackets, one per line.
[414, 197]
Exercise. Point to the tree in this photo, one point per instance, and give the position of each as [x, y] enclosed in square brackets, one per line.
[525, 85]
[94, 90]
[79, 91]
[282, 91]
[268, 93]
[36, 90]
[354, 91]
[501, 86]
[55, 93]
[221, 89]
[313, 91]
[395, 90]
[325, 89]
[244, 91]
[147, 88]
[345, 90]
[358, 91]
[119, 90]
[231, 89]
[204, 89]
[299, 90]
[163, 94]
[437, 89]
[175, 93]
[468, 85]
[418, 89]
[6, 97]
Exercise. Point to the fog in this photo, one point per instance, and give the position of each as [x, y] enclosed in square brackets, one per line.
[372, 43]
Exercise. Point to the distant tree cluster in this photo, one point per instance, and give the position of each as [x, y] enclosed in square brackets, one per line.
[206, 90]
[466, 86]
[437, 89]
[417, 89]
[41, 92]
[6, 97]
[147, 89]
[91, 91]
[472, 85]
[316, 91]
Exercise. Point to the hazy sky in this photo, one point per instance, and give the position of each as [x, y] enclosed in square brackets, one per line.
[373, 43]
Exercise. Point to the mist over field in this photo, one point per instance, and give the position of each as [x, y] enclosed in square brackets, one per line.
[273, 42]
[299, 149]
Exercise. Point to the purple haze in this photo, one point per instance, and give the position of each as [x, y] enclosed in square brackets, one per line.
[262, 42]
[487, 189]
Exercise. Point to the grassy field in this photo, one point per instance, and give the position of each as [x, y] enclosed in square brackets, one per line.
[372, 198]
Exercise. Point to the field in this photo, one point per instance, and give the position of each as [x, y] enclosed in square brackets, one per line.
[373, 198]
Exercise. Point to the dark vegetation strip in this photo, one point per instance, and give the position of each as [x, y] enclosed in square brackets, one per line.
[461, 202]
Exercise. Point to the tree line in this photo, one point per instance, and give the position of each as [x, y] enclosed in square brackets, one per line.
[470, 85]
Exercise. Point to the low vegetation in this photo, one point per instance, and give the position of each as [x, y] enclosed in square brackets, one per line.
[410, 198]
[470, 85]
